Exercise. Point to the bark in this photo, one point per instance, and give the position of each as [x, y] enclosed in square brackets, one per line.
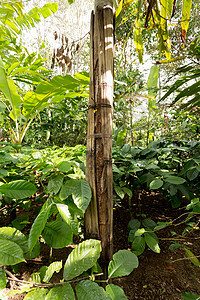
[99, 215]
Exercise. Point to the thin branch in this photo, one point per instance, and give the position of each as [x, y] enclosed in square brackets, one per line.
[81, 37]
[184, 258]
[35, 284]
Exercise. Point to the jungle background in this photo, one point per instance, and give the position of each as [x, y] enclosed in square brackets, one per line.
[44, 89]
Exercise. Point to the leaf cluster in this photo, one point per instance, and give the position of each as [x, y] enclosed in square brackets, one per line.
[171, 168]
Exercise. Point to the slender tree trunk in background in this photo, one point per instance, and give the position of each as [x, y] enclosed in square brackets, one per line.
[148, 128]
[124, 123]
[131, 123]
[99, 215]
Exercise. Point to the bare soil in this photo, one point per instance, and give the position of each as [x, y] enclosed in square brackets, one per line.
[159, 276]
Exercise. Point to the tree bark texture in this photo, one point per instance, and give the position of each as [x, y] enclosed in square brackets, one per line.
[99, 215]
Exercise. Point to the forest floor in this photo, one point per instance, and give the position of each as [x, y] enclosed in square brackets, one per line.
[159, 276]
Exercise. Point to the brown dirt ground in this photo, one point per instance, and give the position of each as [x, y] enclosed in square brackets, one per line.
[159, 276]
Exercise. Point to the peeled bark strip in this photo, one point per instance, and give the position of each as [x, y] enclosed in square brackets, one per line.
[99, 215]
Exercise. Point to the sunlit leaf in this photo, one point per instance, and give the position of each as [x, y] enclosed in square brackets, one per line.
[10, 253]
[123, 263]
[192, 257]
[186, 11]
[83, 257]
[115, 292]
[90, 290]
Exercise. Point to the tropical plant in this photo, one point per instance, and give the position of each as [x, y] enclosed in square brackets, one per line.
[187, 87]
[51, 170]
[158, 16]
[140, 237]
[83, 258]
[22, 110]
[13, 19]
[165, 166]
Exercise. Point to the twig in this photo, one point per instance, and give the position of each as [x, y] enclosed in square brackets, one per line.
[185, 258]
[13, 278]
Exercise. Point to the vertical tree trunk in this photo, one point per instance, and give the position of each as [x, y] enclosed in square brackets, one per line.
[99, 215]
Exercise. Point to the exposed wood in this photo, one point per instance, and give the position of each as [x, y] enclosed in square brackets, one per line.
[91, 215]
[99, 215]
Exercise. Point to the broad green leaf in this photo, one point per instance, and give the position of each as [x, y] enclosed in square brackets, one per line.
[38, 227]
[126, 149]
[192, 173]
[9, 89]
[57, 234]
[55, 90]
[140, 232]
[192, 257]
[152, 243]
[67, 189]
[186, 10]
[115, 292]
[122, 264]
[152, 234]
[3, 172]
[190, 296]
[138, 40]
[119, 191]
[155, 184]
[55, 184]
[131, 235]
[166, 9]
[175, 179]
[32, 103]
[14, 235]
[64, 166]
[173, 189]
[90, 290]
[3, 281]
[83, 77]
[161, 225]
[18, 189]
[61, 292]
[185, 191]
[80, 190]
[36, 294]
[119, 12]
[134, 224]
[147, 177]
[56, 266]
[152, 167]
[152, 82]
[121, 137]
[138, 245]
[128, 191]
[83, 257]
[59, 84]
[10, 253]
[66, 215]
[148, 224]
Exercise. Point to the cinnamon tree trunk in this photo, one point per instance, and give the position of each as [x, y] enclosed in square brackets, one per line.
[99, 215]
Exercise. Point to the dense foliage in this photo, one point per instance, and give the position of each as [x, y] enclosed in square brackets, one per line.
[43, 125]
